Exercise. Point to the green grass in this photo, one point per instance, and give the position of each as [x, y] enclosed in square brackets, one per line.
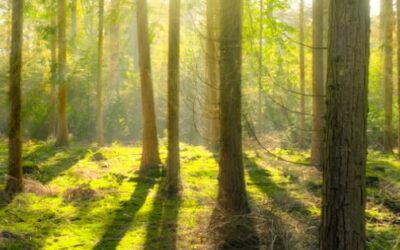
[83, 197]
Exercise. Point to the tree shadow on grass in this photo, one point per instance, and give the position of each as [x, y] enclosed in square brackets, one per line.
[161, 231]
[124, 216]
[279, 195]
[61, 163]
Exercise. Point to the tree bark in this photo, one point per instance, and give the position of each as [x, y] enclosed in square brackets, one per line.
[15, 179]
[317, 83]
[150, 154]
[398, 73]
[173, 173]
[115, 46]
[345, 147]
[387, 25]
[53, 87]
[62, 137]
[302, 78]
[232, 195]
[99, 83]
[212, 75]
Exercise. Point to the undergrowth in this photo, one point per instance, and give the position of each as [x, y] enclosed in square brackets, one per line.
[83, 197]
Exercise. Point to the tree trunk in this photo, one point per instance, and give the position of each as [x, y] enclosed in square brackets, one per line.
[231, 189]
[317, 83]
[398, 73]
[173, 173]
[53, 87]
[302, 78]
[114, 47]
[99, 83]
[387, 25]
[150, 155]
[212, 75]
[14, 180]
[137, 128]
[74, 23]
[62, 137]
[260, 67]
[345, 147]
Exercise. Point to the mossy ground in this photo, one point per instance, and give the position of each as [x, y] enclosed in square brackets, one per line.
[83, 197]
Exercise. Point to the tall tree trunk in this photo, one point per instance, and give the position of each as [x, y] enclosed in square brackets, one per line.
[150, 155]
[344, 196]
[302, 77]
[173, 173]
[231, 189]
[99, 83]
[398, 72]
[53, 87]
[212, 74]
[62, 137]
[114, 47]
[387, 24]
[74, 23]
[14, 180]
[317, 83]
[260, 67]
[136, 85]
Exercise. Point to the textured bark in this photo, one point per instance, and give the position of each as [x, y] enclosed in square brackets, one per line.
[317, 82]
[150, 155]
[62, 136]
[115, 46]
[212, 75]
[173, 164]
[53, 87]
[99, 83]
[231, 189]
[398, 73]
[344, 196]
[14, 180]
[302, 77]
[387, 25]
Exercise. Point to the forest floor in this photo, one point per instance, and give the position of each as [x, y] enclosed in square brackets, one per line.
[83, 197]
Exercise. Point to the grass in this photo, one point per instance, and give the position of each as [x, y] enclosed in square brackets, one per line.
[83, 197]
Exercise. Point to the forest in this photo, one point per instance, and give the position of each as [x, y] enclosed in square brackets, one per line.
[200, 124]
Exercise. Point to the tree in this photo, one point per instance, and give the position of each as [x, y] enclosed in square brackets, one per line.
[150, 154]
[317, 82]
[345, 146]
[232, 195]
[387, 25]
[99, 83]
[260, 66]
[114, 46]
[398, 70]
[74, 23]
[53, 89]
[15, 175]
[173, 173]
[302, 76]
[212, 109]
[62, 137]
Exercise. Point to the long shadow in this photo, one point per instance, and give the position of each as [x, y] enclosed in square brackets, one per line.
[124, 216]
[262, 179]
[161, 231]
[61, 164]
